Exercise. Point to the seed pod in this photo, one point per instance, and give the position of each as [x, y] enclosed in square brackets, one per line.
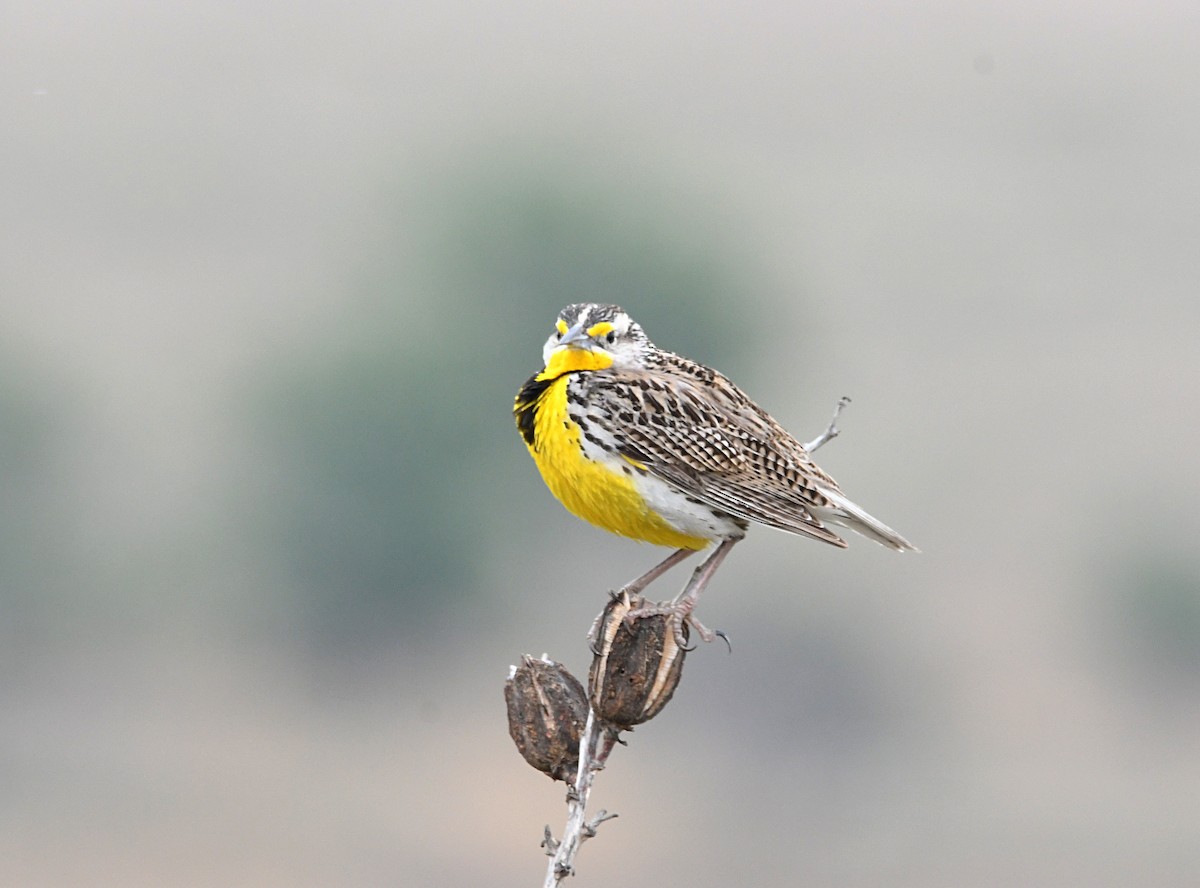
[637, 663]
[547, 712]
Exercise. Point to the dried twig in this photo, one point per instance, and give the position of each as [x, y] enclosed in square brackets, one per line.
[637, 663]
[594, 746]
[832, 431]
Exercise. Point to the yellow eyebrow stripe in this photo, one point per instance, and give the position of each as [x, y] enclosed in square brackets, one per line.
[561, 326]
[600, 329]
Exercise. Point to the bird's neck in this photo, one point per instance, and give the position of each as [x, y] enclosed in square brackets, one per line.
[572, 360]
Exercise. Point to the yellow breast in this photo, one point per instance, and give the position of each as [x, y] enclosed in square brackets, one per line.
[597, 492]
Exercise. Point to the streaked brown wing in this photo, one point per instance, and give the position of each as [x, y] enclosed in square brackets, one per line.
[704, 436]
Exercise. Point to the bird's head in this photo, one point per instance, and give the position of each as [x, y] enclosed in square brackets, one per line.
[589, 336]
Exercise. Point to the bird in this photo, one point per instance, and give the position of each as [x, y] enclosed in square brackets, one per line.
[654, 446]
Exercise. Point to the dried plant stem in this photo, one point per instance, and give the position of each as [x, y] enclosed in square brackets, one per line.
[600, 734]
[832, 431]
[594, 746]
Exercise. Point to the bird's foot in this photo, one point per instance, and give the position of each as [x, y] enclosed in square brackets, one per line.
[682, 620]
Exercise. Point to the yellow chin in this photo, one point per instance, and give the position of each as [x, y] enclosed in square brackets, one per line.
[569, 360]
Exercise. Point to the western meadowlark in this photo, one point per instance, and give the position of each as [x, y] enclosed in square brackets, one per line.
[653, 446]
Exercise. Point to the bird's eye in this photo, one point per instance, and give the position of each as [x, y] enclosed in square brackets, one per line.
[611, 337]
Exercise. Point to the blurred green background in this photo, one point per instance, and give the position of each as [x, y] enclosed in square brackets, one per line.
[271, 275]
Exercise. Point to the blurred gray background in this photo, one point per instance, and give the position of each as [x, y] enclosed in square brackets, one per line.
[271, 274]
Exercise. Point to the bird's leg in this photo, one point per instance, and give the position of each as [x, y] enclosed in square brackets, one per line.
[830, 433]
[635, 587]
[685, 602]
[681, 606]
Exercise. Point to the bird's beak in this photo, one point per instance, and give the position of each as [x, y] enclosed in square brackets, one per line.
[576, 349]
[576, 338]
